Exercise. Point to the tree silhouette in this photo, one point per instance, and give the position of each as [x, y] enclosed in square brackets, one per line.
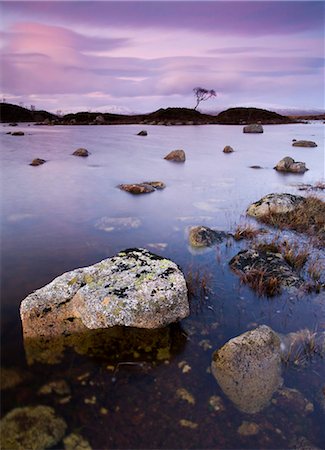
[202, 95]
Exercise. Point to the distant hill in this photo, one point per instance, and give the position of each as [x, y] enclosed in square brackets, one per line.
[168, 116]
[237, 116]
[15, 113]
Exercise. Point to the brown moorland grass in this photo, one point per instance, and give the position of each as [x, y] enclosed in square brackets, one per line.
[247, 231]
[308, 217]
[262, 284]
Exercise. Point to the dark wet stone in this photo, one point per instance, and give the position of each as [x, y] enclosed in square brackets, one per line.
[17, 133]
[37, 162]
[81, 152]
[143, 133]
[255, 167]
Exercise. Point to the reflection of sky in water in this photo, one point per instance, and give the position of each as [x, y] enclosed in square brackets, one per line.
[69, 213]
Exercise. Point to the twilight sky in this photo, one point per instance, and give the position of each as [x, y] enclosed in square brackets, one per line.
[142, 55]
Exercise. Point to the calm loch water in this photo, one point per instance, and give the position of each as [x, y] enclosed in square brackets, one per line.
[69, 213]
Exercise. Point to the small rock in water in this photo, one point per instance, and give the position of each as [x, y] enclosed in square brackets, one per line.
[248, 428]
[17, 133]
[37, 162]
[304, 144]
[183, 394]
[253, 128]
[155, 184]
[137, 188]
[75, 441]
[216, 403]
[81, 152]
[255, 167]
[142, 133]
[32, 428]
[228, 149]
[202, 236]
[288, 164]
[176, 155]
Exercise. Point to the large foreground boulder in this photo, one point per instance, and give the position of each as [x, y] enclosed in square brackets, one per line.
[248, 368]
[32, 428]
[288, 164]
[253, 128]
[135, 288]
[265, 271]
[274, 204]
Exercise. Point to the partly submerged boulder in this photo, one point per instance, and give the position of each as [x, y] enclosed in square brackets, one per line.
[201, 236]
[143, 133]
[228, 149]
[274, 204]
[137, 188]
[135, 288]
[265, 271]
[37, 162]
[288, 164]
[17, 133]
[81, 152]
[248, 368]
[176, 155]
[253, 128]
[32, 428]
[304, 144]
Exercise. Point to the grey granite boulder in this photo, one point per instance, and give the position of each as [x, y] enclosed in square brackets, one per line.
[248, 368]
[32, 428]
[304, 144]
[288, 164]
[275, 204]
[176, 155]
[81, 152]
[201, 236]
[253, 128]
[135, 288]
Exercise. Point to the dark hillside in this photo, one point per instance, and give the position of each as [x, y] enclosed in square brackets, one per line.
[15, 113]
[237, 116]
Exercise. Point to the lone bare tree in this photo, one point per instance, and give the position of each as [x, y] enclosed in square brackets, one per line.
[202, 95]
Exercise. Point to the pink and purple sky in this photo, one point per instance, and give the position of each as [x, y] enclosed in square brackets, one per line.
[143, 55]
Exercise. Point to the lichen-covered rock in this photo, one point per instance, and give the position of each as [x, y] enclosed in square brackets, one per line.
[81, 152]
[253, 128]
[304, 144]
[248, 368]
[135, 288]
[228, 149]
[288, 164]
[201, 236]
[176, 155]
[142, 133]
[32, 428]
[137, 188]
[37, 162]
[274, 204]
[266, 264]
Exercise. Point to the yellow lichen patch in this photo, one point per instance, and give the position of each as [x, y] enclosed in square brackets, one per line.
[183, 394]
[88, 278]
[72, 281]
[163, 353]
[105, 301]
[188, 424]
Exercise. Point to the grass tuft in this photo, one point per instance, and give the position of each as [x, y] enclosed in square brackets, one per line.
[262, 284]
[247, 231]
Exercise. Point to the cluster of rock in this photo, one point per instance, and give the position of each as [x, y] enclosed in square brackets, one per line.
[288, 164]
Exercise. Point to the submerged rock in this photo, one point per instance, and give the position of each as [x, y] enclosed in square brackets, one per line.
[288, 164]
[81, 152]
[32, 428]
[228, 149]
[304, 144]
[10, 378]
[37, 162]
[265, 271]
[135, 288]
[176, 155]
[137, 188]
[75, 441]
[255, 167]
[275, 204]
[248, 368]
[202, 236]
[117, 223]
[253, 128]
[143, 133]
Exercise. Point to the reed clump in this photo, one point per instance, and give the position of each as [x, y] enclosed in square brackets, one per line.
[262, 284]
[247, 231]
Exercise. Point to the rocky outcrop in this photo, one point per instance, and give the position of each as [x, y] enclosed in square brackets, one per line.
[228, 149]
[81, 152]
[253, 128]
[143, 133]
[176, 155]
[248, 368]
[33, 428]
[37, 162]
[304, 144]
[201, 236]
[274, 204]
[288, 164]
[135, 288]
[264, 270]
[142, 188]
